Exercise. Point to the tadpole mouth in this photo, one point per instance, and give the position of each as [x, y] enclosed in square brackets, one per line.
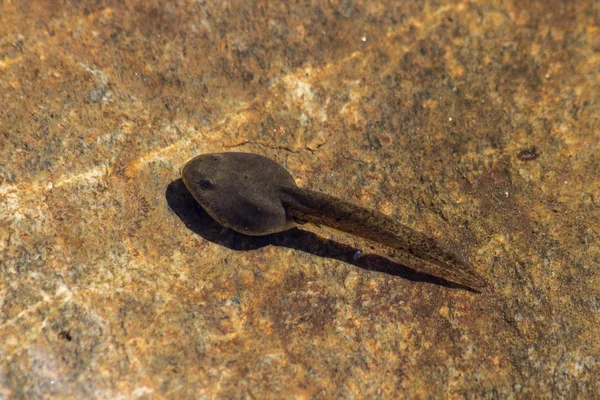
[185, 176]
[188, 179]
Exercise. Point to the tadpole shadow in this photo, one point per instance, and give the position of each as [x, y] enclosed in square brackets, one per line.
[198, 221]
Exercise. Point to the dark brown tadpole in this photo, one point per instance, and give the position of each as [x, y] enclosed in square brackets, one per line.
[529, 154]
[254, 195]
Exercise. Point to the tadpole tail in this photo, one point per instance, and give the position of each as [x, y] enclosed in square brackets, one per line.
[423, 252]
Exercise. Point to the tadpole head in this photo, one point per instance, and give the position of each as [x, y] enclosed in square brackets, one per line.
[241, 191]
[200, 176]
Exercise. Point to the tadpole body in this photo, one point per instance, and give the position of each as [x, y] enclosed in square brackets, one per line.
[254, 195]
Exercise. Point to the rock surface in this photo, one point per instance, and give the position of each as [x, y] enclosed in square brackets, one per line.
[474, 122]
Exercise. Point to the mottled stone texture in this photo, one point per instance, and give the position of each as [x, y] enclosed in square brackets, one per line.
[476, 122]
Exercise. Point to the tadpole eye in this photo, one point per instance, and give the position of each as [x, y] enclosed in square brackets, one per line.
[205, 184]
